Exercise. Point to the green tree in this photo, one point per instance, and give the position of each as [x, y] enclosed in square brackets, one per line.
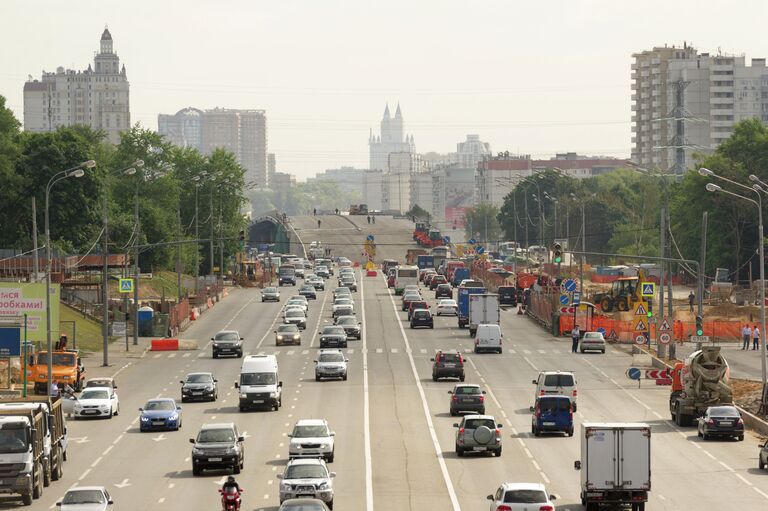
[418, 212]
[482, 222]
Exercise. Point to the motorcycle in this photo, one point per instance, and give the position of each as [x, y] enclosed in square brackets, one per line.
[230, 499]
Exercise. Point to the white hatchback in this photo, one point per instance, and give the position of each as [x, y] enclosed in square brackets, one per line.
[447, 307]
[521, 497]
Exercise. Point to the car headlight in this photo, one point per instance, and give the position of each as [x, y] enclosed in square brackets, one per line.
[232, 450]
[174, 417]
[273, 394]
[78, 406]
[323, 486]
[285, 486]
[104, 407]
[243, 394]
[144, 419]
[279, 337]
[323, 446]
[296, 337]
[197, 451]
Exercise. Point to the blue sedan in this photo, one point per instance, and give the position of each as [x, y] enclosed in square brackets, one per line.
[161, 413]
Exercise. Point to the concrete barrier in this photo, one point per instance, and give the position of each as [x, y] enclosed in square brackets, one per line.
[165, 345]
[188, 344]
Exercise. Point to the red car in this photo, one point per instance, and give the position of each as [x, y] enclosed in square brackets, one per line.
[416, 304]
[436, 280]
[391, 281]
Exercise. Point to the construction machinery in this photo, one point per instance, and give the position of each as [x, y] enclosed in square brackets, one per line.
[699, 382]
[358, 209]
[624, 294]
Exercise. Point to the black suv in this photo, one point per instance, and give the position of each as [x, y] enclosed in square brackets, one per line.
[448, 364]
[333, 337]
[200, 386]
[443, 291]
[218, 446]
[422, 317]
[467, 397]
[227, 342]
[508, 295]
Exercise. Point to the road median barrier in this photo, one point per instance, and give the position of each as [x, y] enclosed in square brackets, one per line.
[164, 345]
[188, 344]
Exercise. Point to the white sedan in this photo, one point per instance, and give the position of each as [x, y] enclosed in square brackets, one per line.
[521, 497]
[97, 402]
[447, 307]
[94, 498]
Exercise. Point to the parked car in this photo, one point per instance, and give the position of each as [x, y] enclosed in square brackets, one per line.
[96, 402]
[217, 446]
[416, 304]
[160, 413]
[227, 342]
[307, 477]
[447, 307]
[721, 421]
[331, 364]
[552, 413]
[444, 291]
[422, 317]
[287, 333]
[312, 438]
[592, 341]
[270, 294]
[522, 497]
[93, 498]
[447, 364]
[333, 337]
[467, 397]
[199, 386]
[350, 325]
[309, 291]
[557, 383]
[478, 433]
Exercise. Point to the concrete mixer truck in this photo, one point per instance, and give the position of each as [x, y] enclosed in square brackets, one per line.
[699, 382]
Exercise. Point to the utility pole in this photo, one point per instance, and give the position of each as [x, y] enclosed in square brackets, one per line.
[583, 249]
[105, 281]
[35, 262]
[178, 250]
[137, 223]
[221, 237]
[210, 220]
[662, 348]
[700, 277]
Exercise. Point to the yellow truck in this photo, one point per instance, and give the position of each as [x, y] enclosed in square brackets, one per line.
[67, 369]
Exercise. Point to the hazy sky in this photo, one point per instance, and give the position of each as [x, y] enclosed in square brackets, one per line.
[534, 77]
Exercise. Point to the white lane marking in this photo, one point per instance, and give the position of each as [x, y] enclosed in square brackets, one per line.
[161, 500]
[171, 355]
[423, 351]
[394, 350]
[201, 355]
[290, 352]
[350, 351]
[319, 320]
[120, 437]
[304, 352]
[157, 355]
[366, 408]
[171, 485]
[743, 480]
[531, 364]
[428, 415]
[106, 451]
[761, 492]
[186, 355]
[123, 484]
[379, 350]
[84, 474]
[96, 461]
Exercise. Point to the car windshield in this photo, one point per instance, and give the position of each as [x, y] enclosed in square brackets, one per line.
[347, 321]
[295, 303]
[558, 380]
[447, 303]
[308, 288]
[227, 336]
[215, 435]
[305, 472]
[59, 359]
[450, 358]
[98, 383]
[332, 330]
[160, 405]
[553, 405]
[309, 431]
[199, 378]
[525, 497]
[467, 390]
[84, 497]
[287, 328]
[13, 439]
[419, 314]
[343, 301]
[270, 290]
[94, 394]
[593, 335]
[321, 268]
[294, 314]
[257, 379]
[331, 357]
[478, 423]
[723, 411]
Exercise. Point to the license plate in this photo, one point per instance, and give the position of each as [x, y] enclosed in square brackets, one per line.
[479, 448]
[90, 412]
[158, 423]
[483, 341]
[197, 393]
[548, 423]
[214, 459]
[257, 401]
[225, 350]
[450, 365]
[307, 490]
[726, 423]
[467, 400]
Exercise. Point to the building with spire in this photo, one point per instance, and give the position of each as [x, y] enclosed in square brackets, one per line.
[97, 97]
[391, 140]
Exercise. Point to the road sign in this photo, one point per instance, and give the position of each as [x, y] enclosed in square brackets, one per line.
[640, 339]
[640, 311]
[612, 336]
[10, 341]
[657, 374]
[446, 239]
[569, 285]
[699, 338]
[576, 298]
[472, 241]
[119, 328]
[564, 299]
[665, 338]
[664, 327]
[601, 330]
[370, 237]
[126, 285]
[479, 250]
[648, 289]
[640, 326]
[633, 373]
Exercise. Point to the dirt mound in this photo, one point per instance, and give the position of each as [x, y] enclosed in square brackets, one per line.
[746, 394]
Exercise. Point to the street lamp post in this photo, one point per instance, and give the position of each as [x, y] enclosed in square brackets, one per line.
[711, 187]
[77, 171]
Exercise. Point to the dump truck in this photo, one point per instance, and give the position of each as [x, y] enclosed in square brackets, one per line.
[615, 464]
[21, 453]
[67, 369]
[54, 431]
[699, 382]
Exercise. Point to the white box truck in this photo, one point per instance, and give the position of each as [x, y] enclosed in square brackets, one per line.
[615, 464]
[483, 309]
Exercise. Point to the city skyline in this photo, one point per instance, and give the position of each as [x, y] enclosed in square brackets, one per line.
[468, 70]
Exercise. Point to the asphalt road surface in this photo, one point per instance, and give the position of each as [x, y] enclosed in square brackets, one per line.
[394, 435]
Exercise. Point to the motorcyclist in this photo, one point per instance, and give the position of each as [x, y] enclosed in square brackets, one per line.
[231, 483]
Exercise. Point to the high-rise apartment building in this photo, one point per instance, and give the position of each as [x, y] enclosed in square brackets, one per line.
[97, 97]
[241, 132]
[471, 151]
[685, 102]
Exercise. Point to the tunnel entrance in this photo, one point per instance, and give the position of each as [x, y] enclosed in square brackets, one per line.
[265, 231]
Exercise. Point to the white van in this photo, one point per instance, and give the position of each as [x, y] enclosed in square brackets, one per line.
[260, 383]
[557, 382]
[488, 338]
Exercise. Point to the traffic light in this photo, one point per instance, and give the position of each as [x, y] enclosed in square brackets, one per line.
[242, 235]
[699, 326]
[558, 253]
[650, 309]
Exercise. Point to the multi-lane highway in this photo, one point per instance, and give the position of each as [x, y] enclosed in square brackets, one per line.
[394, 435]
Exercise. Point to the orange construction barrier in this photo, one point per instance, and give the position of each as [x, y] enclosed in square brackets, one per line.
[165, 344]
[371, 273]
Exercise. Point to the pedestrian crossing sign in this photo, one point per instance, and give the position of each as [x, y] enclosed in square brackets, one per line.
[126, 285]
[648, 289]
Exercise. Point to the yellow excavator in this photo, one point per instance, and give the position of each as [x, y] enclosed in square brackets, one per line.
[625, 292]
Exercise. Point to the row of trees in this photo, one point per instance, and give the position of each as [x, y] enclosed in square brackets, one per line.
[622, 209]
[167, 188]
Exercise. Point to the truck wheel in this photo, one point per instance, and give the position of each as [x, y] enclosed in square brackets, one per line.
[26, 498]
[37, 491]
[56, 474]
[741, 438]
[760, 464]
[607, 306]
[46, 473]
[622, 305]
[570, 431]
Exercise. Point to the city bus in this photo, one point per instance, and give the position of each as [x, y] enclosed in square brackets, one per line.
[405, 276]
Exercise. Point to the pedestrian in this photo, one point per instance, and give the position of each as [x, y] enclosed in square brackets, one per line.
[54, 390]
[62, 344]
[755, 338]
[691, 299]
[369, 218]
[318, 224]
[746, 333]
[314, 211]
[575, 334]
[373, 219]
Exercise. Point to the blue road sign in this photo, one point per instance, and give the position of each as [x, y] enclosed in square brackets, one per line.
[263, 247]
[576, 298]
[446, 239]
[479, 250]
[649, 289]
[564, 300]
[633, 373]
[370, 237]
[10, 341]
[601, 330]
[570, 285]
[472, 241]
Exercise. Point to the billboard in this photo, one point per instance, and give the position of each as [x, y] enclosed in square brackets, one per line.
[18, 298]
[458, 199]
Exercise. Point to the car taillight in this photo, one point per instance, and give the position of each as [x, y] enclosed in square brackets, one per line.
[542, 393]
[740, 422]
[503, 507]
[482, 399]
[547, 508]
[538, 412]
[477, 341]
[574, 392]
[454, 398]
